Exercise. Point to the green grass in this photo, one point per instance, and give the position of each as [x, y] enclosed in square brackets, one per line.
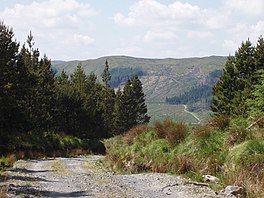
[163, 111]
[200, 150]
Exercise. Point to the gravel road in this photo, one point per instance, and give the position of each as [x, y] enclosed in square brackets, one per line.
[86, 177]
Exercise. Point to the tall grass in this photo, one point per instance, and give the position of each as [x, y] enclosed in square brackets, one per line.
[222, 147]
[173, 132]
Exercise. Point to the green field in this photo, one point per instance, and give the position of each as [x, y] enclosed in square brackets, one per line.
[162, 111]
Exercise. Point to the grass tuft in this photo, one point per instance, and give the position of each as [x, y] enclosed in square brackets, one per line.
[134, 132]
[173, 132]
[221, 122]
[223, 148]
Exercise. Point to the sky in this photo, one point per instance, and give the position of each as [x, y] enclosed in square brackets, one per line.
[88, 29]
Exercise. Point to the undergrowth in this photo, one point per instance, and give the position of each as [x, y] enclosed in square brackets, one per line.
[223, 147]
[48, 144]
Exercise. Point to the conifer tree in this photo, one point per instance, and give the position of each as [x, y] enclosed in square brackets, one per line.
[259, 58]
[40, 83]
[223, 91]
[108, 101]
[235, 85]
[139, 98]
[9, 85]
[119, 125]
[106, 76]
[256, 102]
[132, 109]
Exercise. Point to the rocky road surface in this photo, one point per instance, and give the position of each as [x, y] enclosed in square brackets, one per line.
[86, 177]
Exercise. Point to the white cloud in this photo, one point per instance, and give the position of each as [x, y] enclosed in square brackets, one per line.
[83, 39]
[150, 13]
[257, 29]
[58, 22]
[136, 51]
[250, 7]
[159, 36]
[199, 34]
[230, 46]
[46, 14]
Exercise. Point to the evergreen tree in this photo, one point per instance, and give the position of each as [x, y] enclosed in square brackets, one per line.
[131, 106]
[256, 103]
[119, 125]
[64, 103]
[259, 58]
[40, 87]
[139, 100]
[108, 101]
[79, 110]
[235, 85]
[106, 76]
[224, 89]
[9, 85]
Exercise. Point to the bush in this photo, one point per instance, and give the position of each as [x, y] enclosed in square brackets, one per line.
[240, 121]
[237, 135]
[134, 132]
[221, 122]
[156, 155]
[244, 167]
[173, 132]
[7, 161]
[202, 131]
[182, 164]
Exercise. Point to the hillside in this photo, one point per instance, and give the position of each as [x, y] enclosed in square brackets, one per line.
[162, 77]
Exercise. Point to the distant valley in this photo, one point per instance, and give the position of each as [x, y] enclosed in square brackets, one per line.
[161, 78]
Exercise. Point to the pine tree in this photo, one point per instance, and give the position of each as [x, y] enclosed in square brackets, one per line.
[131, 107]
[224, 89]
[108, 101]
[256, 103]
[63, 114]
[119, 125]
[9, 85]
[139, 98]
[259, 58]
[106, 76]
[235, 85]
[40, 84]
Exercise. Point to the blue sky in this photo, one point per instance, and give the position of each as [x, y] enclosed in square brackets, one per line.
[84, 29]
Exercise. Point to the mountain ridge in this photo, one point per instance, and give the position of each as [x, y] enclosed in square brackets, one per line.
[164, 77]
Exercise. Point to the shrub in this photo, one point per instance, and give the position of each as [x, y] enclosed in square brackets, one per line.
[134, 132]
[202, 131]
[156, 155]
[237, 135]
[244, 167]
[182, 164]
[221, 122]
[173, 132]
[240, 121]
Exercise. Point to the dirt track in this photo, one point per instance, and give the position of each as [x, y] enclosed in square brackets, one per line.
[86, 177]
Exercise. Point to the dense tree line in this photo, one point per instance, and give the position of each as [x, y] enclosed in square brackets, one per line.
[198, 97]
[33, 100]
[119, 75]
[239, 92]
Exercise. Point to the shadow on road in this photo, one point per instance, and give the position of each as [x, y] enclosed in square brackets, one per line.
[29, 190]
[23, 170]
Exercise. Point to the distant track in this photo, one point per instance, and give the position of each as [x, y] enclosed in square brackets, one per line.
[198, 119]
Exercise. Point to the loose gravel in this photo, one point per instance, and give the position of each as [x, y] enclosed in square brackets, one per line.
[86, 177]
